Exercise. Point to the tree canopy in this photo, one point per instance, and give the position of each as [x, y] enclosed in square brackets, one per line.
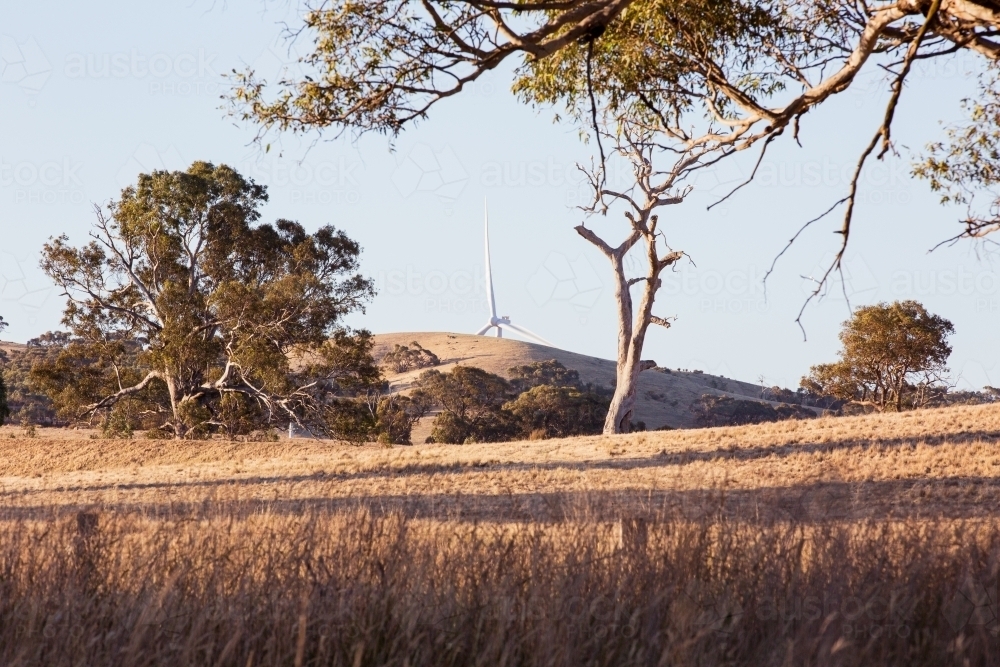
[893, 356]
[379, 64]
[542, 400]
[188, 304]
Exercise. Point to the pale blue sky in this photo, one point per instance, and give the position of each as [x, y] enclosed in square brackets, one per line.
[94, 93]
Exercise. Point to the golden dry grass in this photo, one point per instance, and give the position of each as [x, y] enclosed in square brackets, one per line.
[849, 541]
[928, 463]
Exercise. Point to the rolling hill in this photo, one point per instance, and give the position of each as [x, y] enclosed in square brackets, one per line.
[664, 395]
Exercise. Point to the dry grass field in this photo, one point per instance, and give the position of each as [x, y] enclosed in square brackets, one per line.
[836, 541]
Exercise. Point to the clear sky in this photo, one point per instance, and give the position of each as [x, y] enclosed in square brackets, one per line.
[94, 93]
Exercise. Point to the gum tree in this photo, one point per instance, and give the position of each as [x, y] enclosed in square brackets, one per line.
[893, 357]
[704, 79]
[220, 314]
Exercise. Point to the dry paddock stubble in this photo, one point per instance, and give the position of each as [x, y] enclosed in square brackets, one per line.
[361, 589]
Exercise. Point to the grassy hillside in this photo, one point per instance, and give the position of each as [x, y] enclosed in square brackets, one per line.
[663, 398]
[925, 463]
[8, 347]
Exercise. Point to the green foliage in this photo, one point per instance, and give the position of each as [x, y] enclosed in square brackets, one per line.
[404, 358]
[659, 56]
[893, 358]
[967, 164]
[120, 421]
[26, 399]
[378, 417]
[379, 64]
[538, 373]
[71, 373]
[471, 401]
[558, 411]
[542, 400]
[212, 321]
[711, 410]
[396, 415]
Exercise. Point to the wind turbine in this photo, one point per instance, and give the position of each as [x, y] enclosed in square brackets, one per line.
[500, 322]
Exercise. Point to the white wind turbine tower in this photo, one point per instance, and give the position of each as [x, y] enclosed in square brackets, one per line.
[504, 322]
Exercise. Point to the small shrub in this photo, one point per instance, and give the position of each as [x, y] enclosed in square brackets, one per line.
[118, 424]
[404, 358]
[711, 410]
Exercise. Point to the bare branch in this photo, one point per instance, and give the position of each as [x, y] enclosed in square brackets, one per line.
[123, 393]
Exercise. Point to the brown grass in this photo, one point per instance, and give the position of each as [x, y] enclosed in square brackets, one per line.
[854, 541]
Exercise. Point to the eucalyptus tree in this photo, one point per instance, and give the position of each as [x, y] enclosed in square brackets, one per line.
[894, 356]
[213, 312]
[695, 81]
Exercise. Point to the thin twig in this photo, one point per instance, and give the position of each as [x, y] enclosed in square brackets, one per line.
[760, 158]
[593, 113]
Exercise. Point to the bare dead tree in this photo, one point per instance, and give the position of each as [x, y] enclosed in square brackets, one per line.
[641, 146]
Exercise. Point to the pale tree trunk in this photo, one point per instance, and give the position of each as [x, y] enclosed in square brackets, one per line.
[619, 418]
[650, 190]
[632, 326]
[175, 404]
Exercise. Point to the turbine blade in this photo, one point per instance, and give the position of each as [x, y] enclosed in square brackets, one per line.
[483, 331]
[527, 334]
[489, 269]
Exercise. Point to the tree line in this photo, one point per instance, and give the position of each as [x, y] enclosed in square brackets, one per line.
[893, 358]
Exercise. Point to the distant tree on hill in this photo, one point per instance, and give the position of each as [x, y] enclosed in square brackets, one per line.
[28, 403]
[711, 410]
[378, 416]
[553, 401]
[550, 411]
[471, 402]
[214, 313]
[801, 396]
[542, 400]
[539, 373]
[893, 358]
[404, 358]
